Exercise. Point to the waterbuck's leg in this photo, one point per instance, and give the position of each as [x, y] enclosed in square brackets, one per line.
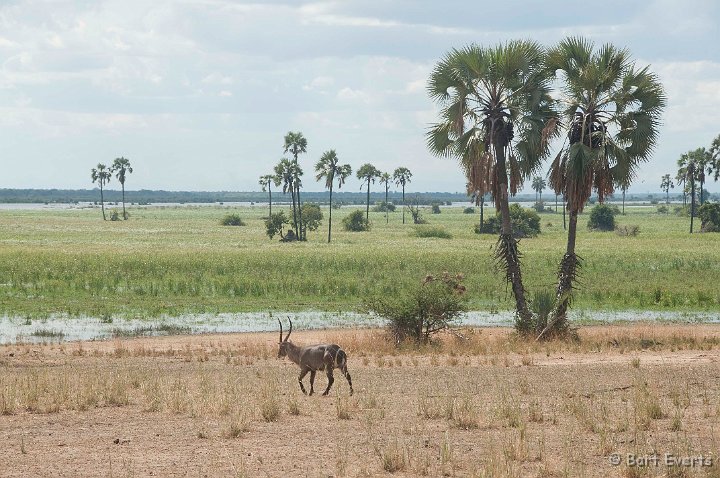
[303, 372]
[347, 376]
[312, 381]
[331, 379]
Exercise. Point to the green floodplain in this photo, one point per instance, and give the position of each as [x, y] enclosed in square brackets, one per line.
[166, 261]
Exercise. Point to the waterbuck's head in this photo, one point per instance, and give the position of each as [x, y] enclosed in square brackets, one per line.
[282, 351]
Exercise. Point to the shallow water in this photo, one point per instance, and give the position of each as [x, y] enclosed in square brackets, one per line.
[61, 328]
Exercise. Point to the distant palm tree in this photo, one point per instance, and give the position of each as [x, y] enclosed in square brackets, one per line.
[367, 173]
[690, 169]
[402, 176]
[385, 179]
[266, 181]
[611, 112]
[496, 118]
[666, 185]
[121, 167]
[285, 177]
[538, 185]
[296, 144]
[101, 175]
[328, 168]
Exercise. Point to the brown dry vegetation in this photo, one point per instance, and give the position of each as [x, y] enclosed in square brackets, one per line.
[487, 405]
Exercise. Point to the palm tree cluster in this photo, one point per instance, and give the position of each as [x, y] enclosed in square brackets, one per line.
[694, 168]
[288, 175]
[499, 115]
[102, 174]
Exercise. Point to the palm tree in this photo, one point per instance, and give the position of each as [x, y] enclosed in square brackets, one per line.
[385, 179]
[329, 169]
[666, 185]
[101, 175]
[715, 158]
[296, 144]
[121, 167]
[402, 176]
[538, 185]
[266, 182]
[285, 177]
[496, 118]
[611, 113]
[691, 170]
[367, 173]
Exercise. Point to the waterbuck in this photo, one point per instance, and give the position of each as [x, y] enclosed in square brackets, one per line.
[312, 358]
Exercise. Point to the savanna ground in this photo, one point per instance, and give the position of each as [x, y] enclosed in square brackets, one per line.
[223, 405]
[171, 261]
[484, 405]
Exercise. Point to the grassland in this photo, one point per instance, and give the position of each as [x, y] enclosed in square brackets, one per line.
[181, 260]
[489, 405]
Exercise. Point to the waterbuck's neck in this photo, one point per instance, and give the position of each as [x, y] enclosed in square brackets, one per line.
[293, 352]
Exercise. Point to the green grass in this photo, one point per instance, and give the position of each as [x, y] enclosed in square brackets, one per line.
[181, 260]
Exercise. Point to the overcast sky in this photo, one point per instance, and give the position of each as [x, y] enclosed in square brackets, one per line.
[198, 94]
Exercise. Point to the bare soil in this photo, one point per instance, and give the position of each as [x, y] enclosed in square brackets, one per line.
[488, 405]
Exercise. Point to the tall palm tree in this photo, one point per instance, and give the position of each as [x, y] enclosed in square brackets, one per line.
[285, 177]
[538, 186]
[101, 175]
[691, 169]
[296, 144]
[367, 173]
[121, 167]
[385, 179]
[496, 118]
[402, 176]
[266, 181]
[666, 185]
[328, 168]
[611, 114]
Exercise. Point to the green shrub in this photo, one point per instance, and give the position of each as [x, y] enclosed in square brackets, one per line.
[469, 210]
[114, 215]
[602, 218]
[311, 216]
[435, 208]
[432, 231]
[662, 209]
[275, 223]
[356, 221]
[682, 211]
[382, 206]
[709, 214]
[232, 220]
[433, 305]
[525, 222]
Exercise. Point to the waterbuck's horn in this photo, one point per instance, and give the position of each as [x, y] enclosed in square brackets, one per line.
[290, 332]
[280, 330]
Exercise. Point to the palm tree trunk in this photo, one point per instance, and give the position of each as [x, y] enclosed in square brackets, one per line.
[102, 203]
[540, 197]
[623, 211]
[702, 186]
[123, 197]
[299, 207]
[330, 217]
[367, 207]
[692, 204]
[482, 207]
[556, 196]
[403, 203]
[507, 249]
[270, 199]
[294, 209]
[387, 218]
[566, 276]
[565, 224]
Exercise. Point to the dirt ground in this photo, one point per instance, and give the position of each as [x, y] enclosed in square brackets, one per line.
[484, 405]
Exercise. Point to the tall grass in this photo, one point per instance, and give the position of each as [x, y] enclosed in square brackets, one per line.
[170, 261]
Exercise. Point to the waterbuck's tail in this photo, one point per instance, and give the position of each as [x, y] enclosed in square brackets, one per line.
[341, 361]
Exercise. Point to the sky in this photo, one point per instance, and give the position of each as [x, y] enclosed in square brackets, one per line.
[199, 94]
